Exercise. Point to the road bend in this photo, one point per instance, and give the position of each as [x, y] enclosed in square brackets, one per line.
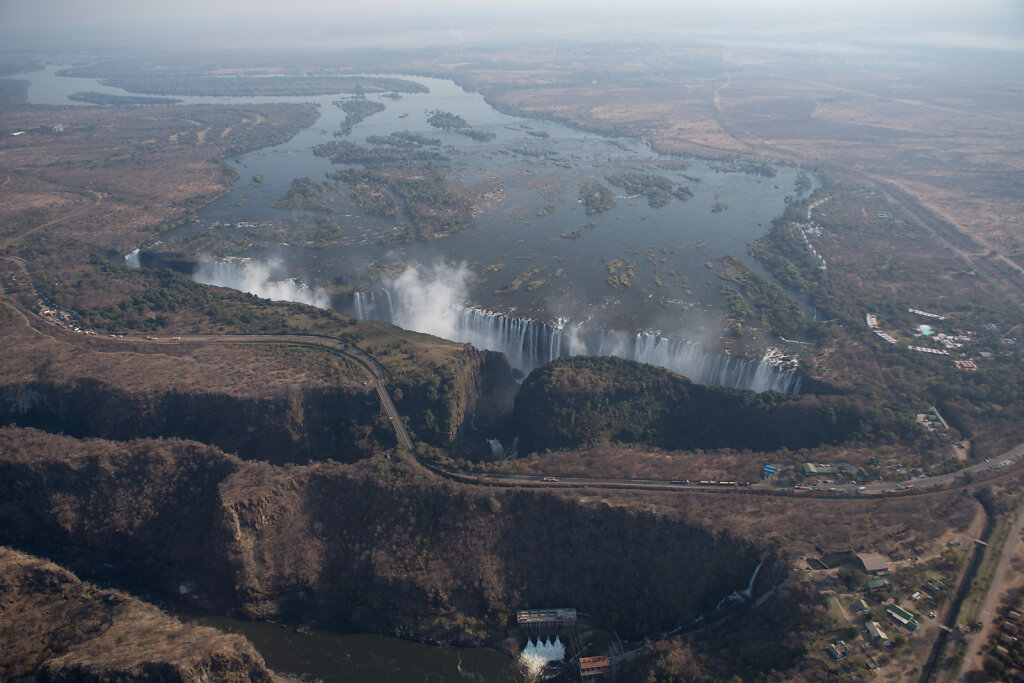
[1009, 464]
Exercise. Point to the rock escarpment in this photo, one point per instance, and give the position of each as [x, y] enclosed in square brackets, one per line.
[57, 628]
[371, 546]
[341, 423]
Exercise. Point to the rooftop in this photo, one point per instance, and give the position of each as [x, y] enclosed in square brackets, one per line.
[543, 616]
[873, 562]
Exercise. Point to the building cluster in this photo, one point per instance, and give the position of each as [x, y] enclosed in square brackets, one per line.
[61, 318]
[957, 340]
[951, 342]
[932, 420]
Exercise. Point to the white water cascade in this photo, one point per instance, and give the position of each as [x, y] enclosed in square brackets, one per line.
[538, 653]
[743, 595]
[529, 344]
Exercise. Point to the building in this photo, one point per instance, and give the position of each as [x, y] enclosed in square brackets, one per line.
[902, 616]
[875, 583]
[859, 606]
[821, 469]
[838, 650]
[873, 563]
[876, 632]
[562, 617]
[595, 666]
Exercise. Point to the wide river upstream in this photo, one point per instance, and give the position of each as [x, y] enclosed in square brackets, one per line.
[599, 278]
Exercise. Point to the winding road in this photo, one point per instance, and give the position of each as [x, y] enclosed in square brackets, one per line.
[981, 473]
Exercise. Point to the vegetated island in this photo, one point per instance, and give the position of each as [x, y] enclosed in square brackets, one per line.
[187, 83]
[111, 100]
[369, 190]
[356, 111]
[659, 190]
[305, 194]
[408, 167]
[596, 198]
[779, 313]
[453, 123]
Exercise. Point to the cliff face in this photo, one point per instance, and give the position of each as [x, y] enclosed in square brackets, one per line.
[440, 403]
[449, 562]
[144, 505]
[57, 628]
[340, 423]
[368, 545]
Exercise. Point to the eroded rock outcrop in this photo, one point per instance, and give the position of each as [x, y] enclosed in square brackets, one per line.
[372, 546]
[57, 628]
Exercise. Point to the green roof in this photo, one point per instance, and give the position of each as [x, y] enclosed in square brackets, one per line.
[875, 583]
[896, 609]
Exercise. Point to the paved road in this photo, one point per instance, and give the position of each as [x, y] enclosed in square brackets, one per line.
[359, 356]
[973, 658]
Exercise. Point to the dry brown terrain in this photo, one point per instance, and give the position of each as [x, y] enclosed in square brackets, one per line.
[92, 181]
[808, 526]
[250, 370]
[622, 461]
[84, 186]
[53, 624]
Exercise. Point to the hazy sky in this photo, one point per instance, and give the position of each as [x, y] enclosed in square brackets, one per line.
[999, 21]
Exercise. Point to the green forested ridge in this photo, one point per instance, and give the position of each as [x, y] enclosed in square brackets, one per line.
[579, 400]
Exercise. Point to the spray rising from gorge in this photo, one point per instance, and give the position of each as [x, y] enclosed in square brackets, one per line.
[259, 278]
[432, 299]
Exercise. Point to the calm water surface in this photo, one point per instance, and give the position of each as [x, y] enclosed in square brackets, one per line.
[531, 164]
[348, 657]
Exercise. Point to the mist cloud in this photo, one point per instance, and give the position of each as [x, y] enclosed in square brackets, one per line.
[428, 297]
[256, 277]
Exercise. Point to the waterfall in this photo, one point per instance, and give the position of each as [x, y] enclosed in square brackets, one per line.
[750, 584]
[537, 654]
[374, 305]
[529, 344]
[743, 595]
